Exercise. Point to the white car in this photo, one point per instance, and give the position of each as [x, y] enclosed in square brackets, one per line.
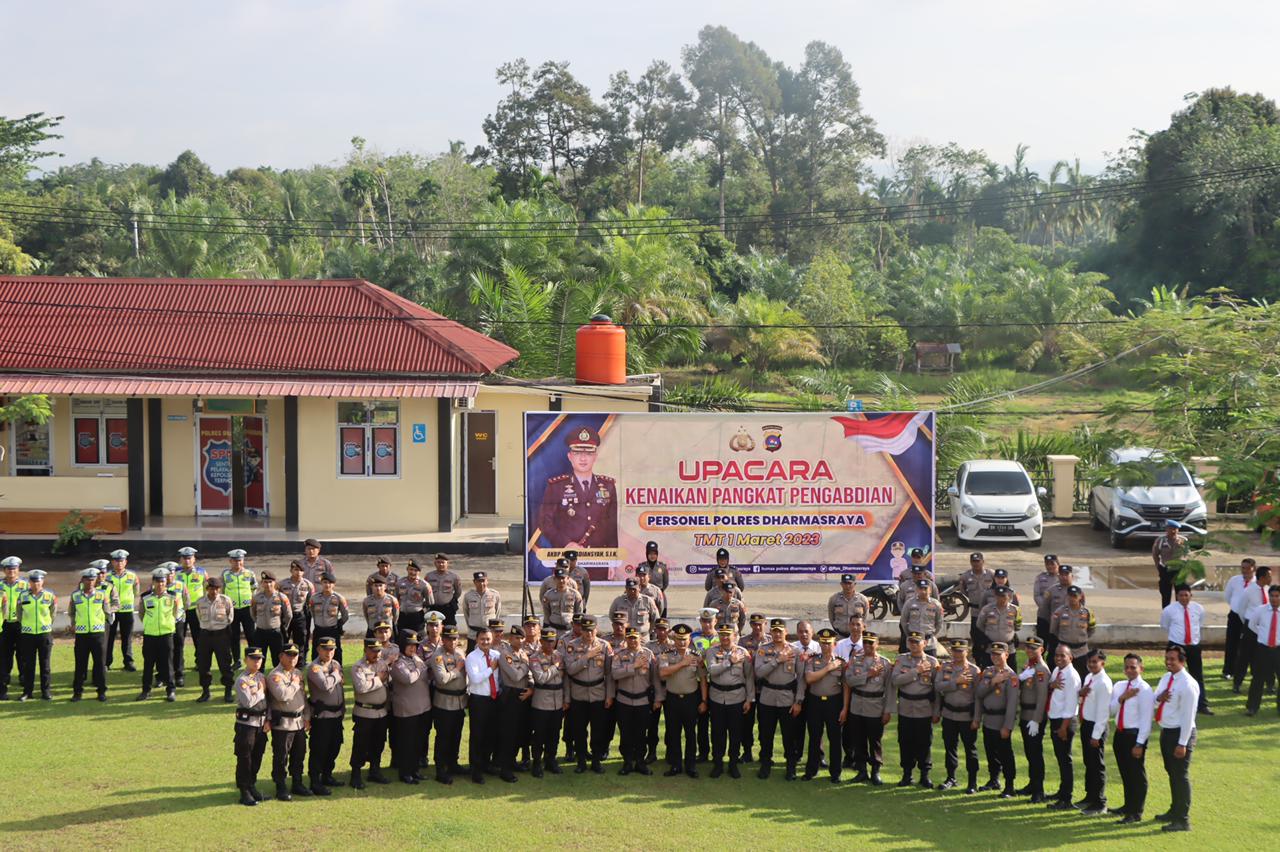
[1138, 505]
[992, 500]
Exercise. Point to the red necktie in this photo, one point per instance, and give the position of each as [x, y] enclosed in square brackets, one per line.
[1186, 621]
[1160, 707]
[493, 681]
[1262, 593]
[1271, 637]
[1120, 718]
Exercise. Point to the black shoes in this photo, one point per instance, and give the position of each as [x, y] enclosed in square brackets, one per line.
[626, 768]
[673, 772]
[226, 696]
[75, 698]
[357, 784]
[945, 785]
[733, 770]
[906, 780]
[170, 695]
[509, 777]
[643, 769]
[875, 777]
[318, 788]
[247, 799]
[300, 789]
[596, 767]
[144, 695]
[554, 768]
[1177, 825]
[376, 776]
[717, 770]
[204, 696]
[763, 772]
[282, 793]
[991, 785]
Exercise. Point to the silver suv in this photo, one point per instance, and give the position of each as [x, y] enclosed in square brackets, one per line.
[1150, 489]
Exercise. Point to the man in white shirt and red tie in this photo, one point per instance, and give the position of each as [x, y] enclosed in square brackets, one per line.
[1095, 713]
[1064, 691]
[1264, 621]
[1252, 595]
[1235, 620]
[1177, 696]
[482, 704]
[1132, 703]
[1183, 620]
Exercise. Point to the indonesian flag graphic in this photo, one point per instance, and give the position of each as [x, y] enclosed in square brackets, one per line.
[892, 433]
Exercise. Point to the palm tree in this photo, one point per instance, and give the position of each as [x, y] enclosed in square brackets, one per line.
[765, 333]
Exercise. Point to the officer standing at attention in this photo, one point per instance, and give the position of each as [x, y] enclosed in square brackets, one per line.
[580, 576]
[561, 602]
[546, 711]
[1073, 624]
[379, 606]
[36, 606]
[680, 692]
[449, 673]
[252, 726]
[290, 720]
[824, 705]
[1056, 598]
[384, 573]
[328, 707]
[1132, 703]
[188, 580]
[1264, 625]
[298, 589]
[446, 589]
[752, 642]
[1095, 713]
[1044, 583]
[954, 704]
[780, 698]
[513, 704]
[549, 581]
[216, 613]
[972, 584]
[911, 679]
[272, 615]
[127, 589]
[586, 663]
[641, 610]
[1167, 548]
[730, 571]
[997, 697]
[11, 588]
[159, 611]
[1064, 691]
[866, 698]
[369, 679]
[329, 613]
[923, 615]
[659, 573]
[1177, 696]
[648, 589]
[90, 610]
[999, 621]
[410, 703]
[632, 677]
[732, 690]
[239, 585]
[415, 596]
[1033, 701]
[479, 605]
[313, 564]
[845, 604]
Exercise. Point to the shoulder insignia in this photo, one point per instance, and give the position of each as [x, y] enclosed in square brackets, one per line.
[316, 667]
[276, 678]
[603, 478]
[564, 477]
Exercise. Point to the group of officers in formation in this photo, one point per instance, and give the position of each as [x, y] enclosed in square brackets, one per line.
[727, 690]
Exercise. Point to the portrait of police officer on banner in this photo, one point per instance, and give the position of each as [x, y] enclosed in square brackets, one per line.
[580, 508]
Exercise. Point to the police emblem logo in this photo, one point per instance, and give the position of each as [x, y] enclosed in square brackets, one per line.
[742, 442]
[772, 438]
[584, 435]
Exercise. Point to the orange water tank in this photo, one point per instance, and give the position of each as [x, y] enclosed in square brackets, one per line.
[602, 353]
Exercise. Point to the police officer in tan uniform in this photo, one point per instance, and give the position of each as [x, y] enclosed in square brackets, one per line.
[731, 690]
[954, 704]
[911, 680]
[290, 720]
[1073, 624]
[252, 726]
[389, 578]
[479, 605]
[548, 704]
[845, 604]
[513, 703]
[997, 694]
[415, 596]
[586, 665]
[329, 612]
[723, 571]
[410, 703]
[449, 673]
[659, 573]
[369, 679]
[1033, 700]
[923, 615]
[298, 589]
[216, 613]
[649, 589]
[446, 589]
[999, 621]
[641, 610]
[272, 613]
[780, 696]
[824, 705]
[561, 601]
[729, 607]
[866, 702]
[681, 693]
[379, 605]
[629, 686]
[325, 682]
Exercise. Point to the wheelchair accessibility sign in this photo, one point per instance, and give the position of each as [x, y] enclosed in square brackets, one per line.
[419, 433]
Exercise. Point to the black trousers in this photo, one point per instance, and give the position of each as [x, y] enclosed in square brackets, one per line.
[1033, 751]
[545, 726]
[157, 657]
[954, 734]
[288, 754]
[1245, 654]
[449, 611]
[749, 727]
[771, 719]
[299, 631]
[868, 738]
[241, 625]
[1178, 770]
[513, 728]
[483, 711]
[33, 649]
[411, 732]
[823, 717]
[10, 639]
[593, 714]
[704, 734]
[368, 739]
[915, 739]
[1166, 585]
[448, 724]
[999, 753]
[250, 744]
[681, 715]
[651, 733]
[210, 644]
[179, 662]
[1195, 668]
[1235, 627]
[122, 626]
[1095, 766]
[726, 730]
[1066, 763]
[633, 724]
[1133, 771]
[412, 620]
[1042, 630]
[1266, 662]
[271, 640]
[90, 647]
[335, 632]
[326, 742]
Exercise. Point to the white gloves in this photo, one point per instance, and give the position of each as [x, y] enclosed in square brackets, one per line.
[1033, 728]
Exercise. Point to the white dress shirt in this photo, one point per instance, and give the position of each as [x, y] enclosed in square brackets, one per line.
[1260, 624]
[1174, 622]
[1234, 584]
[1064, 701]
[1097, 705]
[813, 647]
[848, 650]
[1137, 710]
[1249, 596]
[1180, 709]
[479, 668]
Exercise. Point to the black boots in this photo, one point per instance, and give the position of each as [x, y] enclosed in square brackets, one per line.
[356, 782]
[282, 792]
[318, 788]
[246, 798]
[226, 696]
[906, 779]
[875, 776]
[300, 789]
[204, 696]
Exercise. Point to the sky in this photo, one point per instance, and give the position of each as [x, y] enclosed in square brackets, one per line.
[287, 83]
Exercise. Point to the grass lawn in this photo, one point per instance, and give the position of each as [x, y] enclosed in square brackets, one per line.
[159, 776]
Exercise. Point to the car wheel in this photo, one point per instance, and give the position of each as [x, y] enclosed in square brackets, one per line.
[1117, 540]
[1094, 520]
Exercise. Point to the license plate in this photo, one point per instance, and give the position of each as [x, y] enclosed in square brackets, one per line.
[1003, 528]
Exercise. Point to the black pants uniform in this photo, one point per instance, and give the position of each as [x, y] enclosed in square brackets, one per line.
[270, 640]
[581, 715]
[999, 753]
[335, 633]
[955, 733]
[633, 725]
[1033, 751]
[300, 632]
[1066, 763]
[1235, 627]
[1195, 668]
[704, 735]
[1133, 771]
[368, 739]
[1179, 772]
[157, 657]
[822, 716]
[412, 620]
[749, 727]
[449, 611]
[1166, 585]
[10, 639]
[513, 728]
[90, 647]
[288, 754]
[1042, 630]
[771, 719]
[915, 739]
[651, 734]
[410, 735]
[726, 730]
[483, 711]
[122, 626]
[326, 742]
[545, 733]
[250, 744]
[681, 714]
[1266, 662]
[210, 644]
[241, 625]
[448, 724]
[868, 738]
[32, 650]
[180, 630]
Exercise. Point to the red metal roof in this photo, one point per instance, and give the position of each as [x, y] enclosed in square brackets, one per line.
[234, 328]
[19, 385]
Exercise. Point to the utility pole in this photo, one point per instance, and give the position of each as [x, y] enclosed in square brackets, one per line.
[137, 249]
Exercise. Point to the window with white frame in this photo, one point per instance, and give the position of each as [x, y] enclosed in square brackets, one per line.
[99, 432]
[30, 449]
[369, 438]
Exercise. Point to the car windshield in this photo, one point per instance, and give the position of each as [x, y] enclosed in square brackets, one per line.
[1154, 476]
[997, 483]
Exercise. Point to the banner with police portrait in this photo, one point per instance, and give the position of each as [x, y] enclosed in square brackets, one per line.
[785, 494]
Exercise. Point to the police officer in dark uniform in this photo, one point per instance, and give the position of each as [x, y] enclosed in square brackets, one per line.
[659, 574]
[722, 563]
[580, 508]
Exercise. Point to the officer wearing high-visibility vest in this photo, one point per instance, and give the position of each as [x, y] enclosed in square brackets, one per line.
[35, 615]
[159, 611]
[11, 588]
[187, 581]
[91, 609]
[127, 589]
[239, 584]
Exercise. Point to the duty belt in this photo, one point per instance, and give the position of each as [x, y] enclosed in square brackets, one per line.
[634, 695]
[442, 691]
[1031, 706]
[968, 708]
[285, 714]
[722, 688]
[866, 693]
[366, 706]
[557, 626]
[928, 696]
[242, 713]
[586, 683]
[781, 687]
[681, 694]
[327, 708]
[553, 686]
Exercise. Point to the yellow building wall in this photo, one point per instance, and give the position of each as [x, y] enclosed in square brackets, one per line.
[178, 445]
